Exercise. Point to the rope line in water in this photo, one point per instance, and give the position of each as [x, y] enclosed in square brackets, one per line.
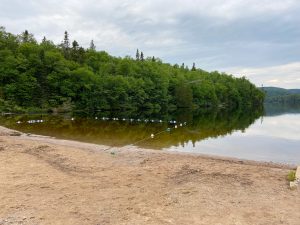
[158, 133]
[151, 137]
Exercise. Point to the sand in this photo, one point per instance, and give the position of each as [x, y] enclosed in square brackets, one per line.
[49, 181]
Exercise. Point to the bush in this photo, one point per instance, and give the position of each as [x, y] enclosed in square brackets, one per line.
[292, 176]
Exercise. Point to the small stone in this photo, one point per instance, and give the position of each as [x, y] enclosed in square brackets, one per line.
[293, 185]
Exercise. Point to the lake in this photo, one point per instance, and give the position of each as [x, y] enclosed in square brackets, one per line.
[272, 135]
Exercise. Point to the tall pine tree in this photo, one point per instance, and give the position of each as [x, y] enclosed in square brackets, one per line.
[92, 46]
[66, 45]
[137, 55]
[194, 67]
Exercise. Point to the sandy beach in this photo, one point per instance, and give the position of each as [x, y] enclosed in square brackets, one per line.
[48, 181]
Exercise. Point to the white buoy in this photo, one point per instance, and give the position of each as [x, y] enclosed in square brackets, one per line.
[152, 135]
[160, 121]
[175, 126]
[180, 125]
[18, 122]
[72, 118]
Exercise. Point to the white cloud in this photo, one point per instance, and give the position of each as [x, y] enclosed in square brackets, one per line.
[287, 75]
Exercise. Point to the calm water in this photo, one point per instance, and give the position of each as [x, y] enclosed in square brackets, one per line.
[273, 135]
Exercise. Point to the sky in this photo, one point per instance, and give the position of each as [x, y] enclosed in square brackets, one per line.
[259, 39]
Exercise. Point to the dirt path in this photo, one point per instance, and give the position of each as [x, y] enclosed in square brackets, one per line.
[47, 181]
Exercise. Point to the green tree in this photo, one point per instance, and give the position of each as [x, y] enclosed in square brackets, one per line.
[92, 46]
[137, 55]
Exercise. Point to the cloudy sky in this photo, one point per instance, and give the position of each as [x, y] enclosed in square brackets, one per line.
[256, 38]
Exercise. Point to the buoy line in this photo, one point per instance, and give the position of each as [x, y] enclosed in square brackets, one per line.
[147, 138]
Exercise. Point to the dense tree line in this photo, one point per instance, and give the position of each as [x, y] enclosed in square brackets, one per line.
[67, 76]
[276, 95]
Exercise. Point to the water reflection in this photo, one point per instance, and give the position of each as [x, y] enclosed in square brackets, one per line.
[272, 134]
[126, 128]
[280, 109]
[274, 137]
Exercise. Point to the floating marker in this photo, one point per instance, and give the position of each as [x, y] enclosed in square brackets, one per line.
[72, 118]
[180, 125]
[175, 126]
[18, 122]
[96, 118]
[160, 121]
[152, 135]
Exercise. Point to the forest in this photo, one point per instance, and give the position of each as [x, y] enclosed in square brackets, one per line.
[274, 95]
[43, 76]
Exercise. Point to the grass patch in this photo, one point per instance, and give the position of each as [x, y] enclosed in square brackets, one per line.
[291, 176]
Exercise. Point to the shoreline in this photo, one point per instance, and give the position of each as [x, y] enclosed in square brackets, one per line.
[97, 147]
[44, 180]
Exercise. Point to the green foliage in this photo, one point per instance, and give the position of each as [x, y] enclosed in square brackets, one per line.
[292, 175]
[67, 76]
[282, 96]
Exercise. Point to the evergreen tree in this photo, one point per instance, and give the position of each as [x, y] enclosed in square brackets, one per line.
[194, 67]
[182, 66]
[66, 42]
[75, 45]
[142, 56]
[137, 55]
[44, 40]
[26, 37]
[66, 45]
[153, 59]
[92, 46]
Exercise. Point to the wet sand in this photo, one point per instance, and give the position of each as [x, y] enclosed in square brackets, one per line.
[48, 181]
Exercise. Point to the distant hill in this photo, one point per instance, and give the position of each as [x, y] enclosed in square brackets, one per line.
[281, 95]
[294, 91]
